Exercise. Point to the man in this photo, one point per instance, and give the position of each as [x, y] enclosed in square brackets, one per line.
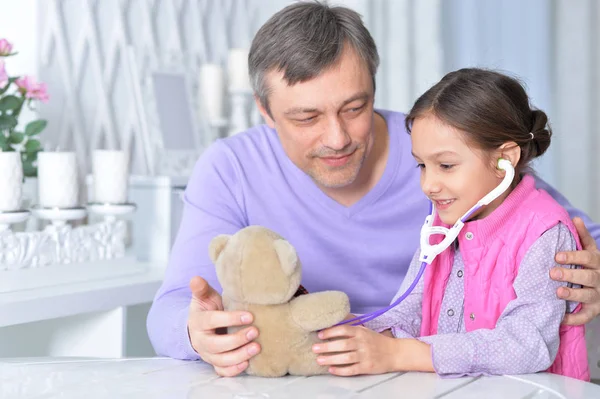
[330, 173]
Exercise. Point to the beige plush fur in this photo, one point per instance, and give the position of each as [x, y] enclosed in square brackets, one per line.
[260, 272]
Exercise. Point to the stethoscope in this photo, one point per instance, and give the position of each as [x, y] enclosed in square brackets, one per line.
[430, 251]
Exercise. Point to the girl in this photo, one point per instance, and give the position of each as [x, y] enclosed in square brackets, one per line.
[486, 304]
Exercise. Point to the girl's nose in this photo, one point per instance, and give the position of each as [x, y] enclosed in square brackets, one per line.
[430, 184]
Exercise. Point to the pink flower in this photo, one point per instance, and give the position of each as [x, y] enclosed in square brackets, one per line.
[3, 75]
[32, 89]
[5, 47]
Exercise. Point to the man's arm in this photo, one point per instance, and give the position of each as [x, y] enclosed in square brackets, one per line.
[593, 228]
[588, 257]
[212, 206]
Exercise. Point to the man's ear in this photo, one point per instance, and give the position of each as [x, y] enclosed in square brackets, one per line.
[511, 152]
[263, 111]
[287, 256]
[216, 246]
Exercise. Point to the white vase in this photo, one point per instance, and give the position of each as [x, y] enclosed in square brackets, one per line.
[10, 183]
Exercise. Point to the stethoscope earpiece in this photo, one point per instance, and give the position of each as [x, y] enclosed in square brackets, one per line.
[504, 164]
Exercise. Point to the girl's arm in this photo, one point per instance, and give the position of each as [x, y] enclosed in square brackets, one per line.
[360, 350]
[526, 336]
[404, 320]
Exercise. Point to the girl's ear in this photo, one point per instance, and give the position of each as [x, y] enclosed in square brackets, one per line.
[510, 151]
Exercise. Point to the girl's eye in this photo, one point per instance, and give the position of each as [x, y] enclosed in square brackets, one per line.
[421, 165]
[446, 166]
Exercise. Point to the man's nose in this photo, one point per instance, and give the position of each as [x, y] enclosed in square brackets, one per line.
[335, 136]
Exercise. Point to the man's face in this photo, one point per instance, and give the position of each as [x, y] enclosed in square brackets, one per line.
[325, 125]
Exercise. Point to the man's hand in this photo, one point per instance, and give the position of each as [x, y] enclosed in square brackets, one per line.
[588, 277]
[228, 353]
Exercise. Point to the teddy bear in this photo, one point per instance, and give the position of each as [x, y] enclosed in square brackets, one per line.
[260, 272]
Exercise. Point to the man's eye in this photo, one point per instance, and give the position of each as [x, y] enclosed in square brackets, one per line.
[306, 120]
[356, 109]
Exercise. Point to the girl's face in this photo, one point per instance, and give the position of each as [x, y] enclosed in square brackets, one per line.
[454, 175]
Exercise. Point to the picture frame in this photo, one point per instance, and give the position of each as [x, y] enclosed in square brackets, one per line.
[171, 130]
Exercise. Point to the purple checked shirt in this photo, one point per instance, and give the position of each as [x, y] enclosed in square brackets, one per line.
[530, 321]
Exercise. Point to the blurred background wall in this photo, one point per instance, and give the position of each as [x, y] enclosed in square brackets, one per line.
[552, 45]
[79, 48]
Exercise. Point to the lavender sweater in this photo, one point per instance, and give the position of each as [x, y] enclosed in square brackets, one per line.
[364, 250]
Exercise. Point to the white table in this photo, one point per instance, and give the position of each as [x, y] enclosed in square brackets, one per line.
[166, 378]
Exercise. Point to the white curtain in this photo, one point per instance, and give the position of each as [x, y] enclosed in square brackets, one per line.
[408, 37]
[554, 46]
[82, 46]
[551, 45]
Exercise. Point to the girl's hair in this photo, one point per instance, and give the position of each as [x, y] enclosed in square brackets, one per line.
[489, 108]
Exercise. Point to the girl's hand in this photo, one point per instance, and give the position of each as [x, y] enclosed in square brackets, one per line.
[358, 350]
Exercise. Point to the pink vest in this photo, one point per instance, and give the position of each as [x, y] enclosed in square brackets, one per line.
[492, 249]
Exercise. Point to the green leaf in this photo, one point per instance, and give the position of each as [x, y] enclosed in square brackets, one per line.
[3, 142]
[29, 170]
[7, 122]
[35, 127]
[16, 137]
[10, 103]
[32, 146]
[10, 81]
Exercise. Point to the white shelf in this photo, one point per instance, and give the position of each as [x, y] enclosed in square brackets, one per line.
[137, 284]
[55, 275]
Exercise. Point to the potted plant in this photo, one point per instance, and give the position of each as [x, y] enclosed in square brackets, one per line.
[16, 92]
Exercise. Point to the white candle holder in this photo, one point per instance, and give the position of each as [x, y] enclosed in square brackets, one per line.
[216, 129]
[7, 218]
[239, 119]
[255, 116]
[59, 243]
[109, 211]
[8, 242]
[59, 231]
[58, 216]
[212, 92]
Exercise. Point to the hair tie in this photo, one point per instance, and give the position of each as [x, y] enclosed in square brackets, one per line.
[531, 134]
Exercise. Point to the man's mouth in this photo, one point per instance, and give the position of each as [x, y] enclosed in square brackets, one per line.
[337, 160]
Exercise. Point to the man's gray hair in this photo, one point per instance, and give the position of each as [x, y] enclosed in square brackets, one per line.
[302, 40]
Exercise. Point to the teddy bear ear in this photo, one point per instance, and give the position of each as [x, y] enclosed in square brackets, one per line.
[287, 256]
[216, 246]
